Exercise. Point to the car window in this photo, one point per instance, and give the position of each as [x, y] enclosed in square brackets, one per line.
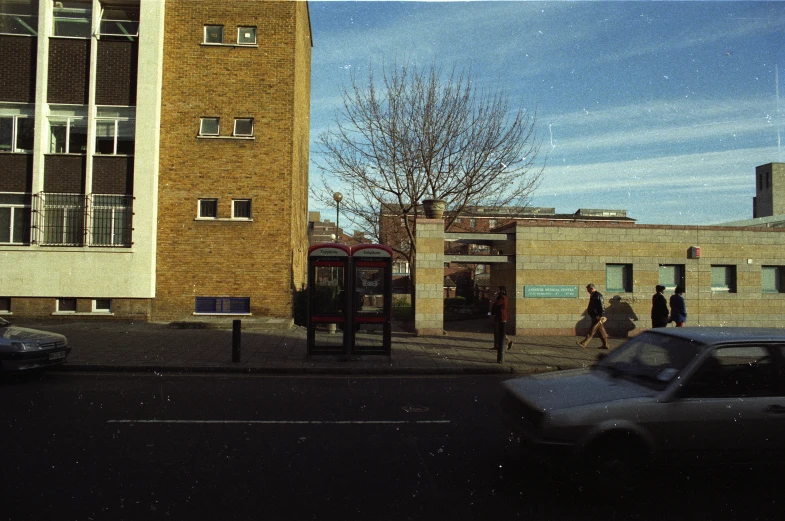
[654, 358]
[738, 371]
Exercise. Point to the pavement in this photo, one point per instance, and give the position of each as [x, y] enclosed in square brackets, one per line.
[279, 347]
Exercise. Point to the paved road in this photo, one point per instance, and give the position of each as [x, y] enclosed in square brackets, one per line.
[125, 446]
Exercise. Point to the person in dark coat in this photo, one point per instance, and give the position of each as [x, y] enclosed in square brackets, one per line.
[678, 307]
[659, 308]
[499, 311]
[596, 310]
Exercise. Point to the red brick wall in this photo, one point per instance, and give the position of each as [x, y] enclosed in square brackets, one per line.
[69, 70]
[16, 173]
[18, 58]
[263, 259]
[64, 174]
[115, 82]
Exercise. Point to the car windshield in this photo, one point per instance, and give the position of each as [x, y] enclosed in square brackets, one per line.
[651, 359]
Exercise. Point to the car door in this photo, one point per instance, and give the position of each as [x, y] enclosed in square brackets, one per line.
[731, 407]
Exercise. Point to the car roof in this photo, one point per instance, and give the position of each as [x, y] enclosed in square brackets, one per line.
[722, 335]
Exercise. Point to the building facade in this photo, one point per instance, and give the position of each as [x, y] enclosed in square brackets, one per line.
[146, 149]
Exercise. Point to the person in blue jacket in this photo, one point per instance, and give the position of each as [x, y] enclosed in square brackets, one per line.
[678, 307]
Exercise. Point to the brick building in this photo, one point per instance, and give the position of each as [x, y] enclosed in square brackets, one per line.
[146, 149]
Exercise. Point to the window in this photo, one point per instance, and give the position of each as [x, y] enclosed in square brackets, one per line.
[223, 305]
[209, 126]
[472, 223]
[491, 224]
[671, 275]
[114, 136]
[243, 127]
[111, 217]
[723, 279]
[213, 34]
[120, 21]
[14, 218]
[66, 305]
[68, 135]
[618, 278]
[400, 268]
[246, 35]
[72, 19]
[19, 17]
[772, 279]
[62, 219]
[241, 209]
[208, 208]
[736, 372]
[5, 305]
[16, 134]
[102, 305]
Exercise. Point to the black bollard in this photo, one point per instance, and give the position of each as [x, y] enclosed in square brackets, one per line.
[235, 341]
[500, 353]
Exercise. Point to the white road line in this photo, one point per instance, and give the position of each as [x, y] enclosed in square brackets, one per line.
[288, 422]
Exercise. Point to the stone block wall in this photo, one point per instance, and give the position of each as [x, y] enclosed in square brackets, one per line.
[429, 278]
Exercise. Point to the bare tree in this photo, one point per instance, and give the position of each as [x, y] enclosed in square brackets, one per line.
[424, 135]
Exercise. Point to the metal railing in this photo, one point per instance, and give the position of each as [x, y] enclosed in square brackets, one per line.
[83, 220]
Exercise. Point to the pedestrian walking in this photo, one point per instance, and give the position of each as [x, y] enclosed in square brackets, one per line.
[678, 307]
[659, 308]
[596, 310]
[499, 311]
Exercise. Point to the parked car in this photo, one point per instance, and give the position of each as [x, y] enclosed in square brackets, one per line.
[24, 349]
[669, 395]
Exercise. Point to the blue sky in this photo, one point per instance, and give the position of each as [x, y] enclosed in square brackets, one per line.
[663, 109]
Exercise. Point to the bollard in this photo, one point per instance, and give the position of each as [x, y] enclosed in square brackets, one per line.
[236, 340]
[500, 353]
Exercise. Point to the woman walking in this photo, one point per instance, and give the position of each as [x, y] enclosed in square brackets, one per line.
[499, 311]
[678, 307]
[659, 308]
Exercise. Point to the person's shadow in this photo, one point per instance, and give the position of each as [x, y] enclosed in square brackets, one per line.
[621, 317]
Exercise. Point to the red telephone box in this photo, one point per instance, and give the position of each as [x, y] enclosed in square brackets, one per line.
[328, 299]
[371, 284]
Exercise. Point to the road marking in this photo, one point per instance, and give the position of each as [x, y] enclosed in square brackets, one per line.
[289, 422]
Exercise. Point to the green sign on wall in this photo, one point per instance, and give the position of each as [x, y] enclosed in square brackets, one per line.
[550, 291]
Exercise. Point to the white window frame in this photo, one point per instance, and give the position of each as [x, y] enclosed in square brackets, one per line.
[246, 28]
[86, 19]
[69, 121]
[128, 28]
[97, 309]
[238, 134]
[69, 311]
[14, 145]
[15, 207]
[204, 35]
[117, 122]
[28, 21]
[199, 208]
[202, 121]
[234, 209]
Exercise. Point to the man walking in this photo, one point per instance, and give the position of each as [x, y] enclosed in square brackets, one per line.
[595, 310]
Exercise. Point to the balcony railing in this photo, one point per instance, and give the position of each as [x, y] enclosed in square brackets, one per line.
[83, 220]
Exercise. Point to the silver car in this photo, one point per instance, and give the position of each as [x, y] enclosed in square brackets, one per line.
[24, 349]
[669, 395]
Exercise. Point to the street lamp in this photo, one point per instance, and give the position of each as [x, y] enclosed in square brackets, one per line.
[337, 197]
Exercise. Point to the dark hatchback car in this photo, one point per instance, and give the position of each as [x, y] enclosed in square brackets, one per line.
[669, 395]
[24, 349]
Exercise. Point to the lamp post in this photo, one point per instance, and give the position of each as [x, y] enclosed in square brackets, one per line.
[337, 197]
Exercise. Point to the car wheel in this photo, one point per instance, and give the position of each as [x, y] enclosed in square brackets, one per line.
[615, 461]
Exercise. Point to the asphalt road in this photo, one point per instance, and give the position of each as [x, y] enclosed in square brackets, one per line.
[146, 446]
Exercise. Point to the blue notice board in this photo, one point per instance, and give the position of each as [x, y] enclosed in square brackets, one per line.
[550, 291]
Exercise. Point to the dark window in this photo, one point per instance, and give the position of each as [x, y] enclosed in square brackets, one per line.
[208, 208]
[230, 305]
